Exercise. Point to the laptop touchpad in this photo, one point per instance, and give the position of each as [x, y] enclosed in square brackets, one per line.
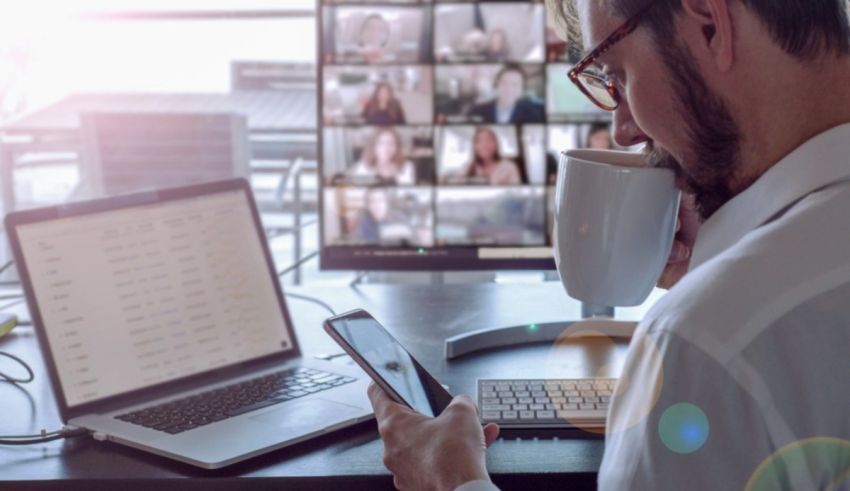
[310, 413]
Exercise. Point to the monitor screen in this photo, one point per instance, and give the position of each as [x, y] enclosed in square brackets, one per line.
[442, 125]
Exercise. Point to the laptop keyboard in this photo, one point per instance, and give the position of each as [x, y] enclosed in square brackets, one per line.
[232, 400]
[545, 402]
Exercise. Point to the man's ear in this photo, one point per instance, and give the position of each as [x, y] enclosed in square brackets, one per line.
[715, 27]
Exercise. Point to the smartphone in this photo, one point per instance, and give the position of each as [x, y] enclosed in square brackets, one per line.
[385, 360]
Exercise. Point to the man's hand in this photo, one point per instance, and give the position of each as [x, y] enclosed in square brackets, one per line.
[686, 236]
[432, 453]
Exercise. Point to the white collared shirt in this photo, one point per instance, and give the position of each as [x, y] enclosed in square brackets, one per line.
[740, 374]
[755, 339]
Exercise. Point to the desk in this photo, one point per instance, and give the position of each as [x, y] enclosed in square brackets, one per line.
[268, 114]
[421, 317]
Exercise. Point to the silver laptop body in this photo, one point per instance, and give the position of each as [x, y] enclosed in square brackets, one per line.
[144, 299]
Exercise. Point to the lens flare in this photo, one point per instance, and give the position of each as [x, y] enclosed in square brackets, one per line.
[810, 463]
[683, 428]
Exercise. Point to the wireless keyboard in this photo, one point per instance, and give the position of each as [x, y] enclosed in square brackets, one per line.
[545, 403]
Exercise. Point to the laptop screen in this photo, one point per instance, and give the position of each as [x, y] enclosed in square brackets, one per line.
[137, 296]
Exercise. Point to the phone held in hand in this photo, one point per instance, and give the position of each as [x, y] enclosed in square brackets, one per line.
[385, 360]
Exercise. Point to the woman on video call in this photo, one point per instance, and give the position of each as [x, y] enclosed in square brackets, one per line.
[383, 108]
[383, 161]
[487, 165]
[373, 38]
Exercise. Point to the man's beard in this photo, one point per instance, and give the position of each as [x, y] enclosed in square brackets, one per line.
[713, 136]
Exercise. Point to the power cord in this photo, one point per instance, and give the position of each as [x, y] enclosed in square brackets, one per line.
[6, 266]
[43, 437]
[13, 380]
[312, 300]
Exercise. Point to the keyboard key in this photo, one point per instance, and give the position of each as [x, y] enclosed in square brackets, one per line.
[495, 407]
[535, 407]
[491, 400]
[526, 415]
[508, 400]
[526, 400]
[491, 415]
[520, 407]
[510, 415]
[546, 414]
[254, 407]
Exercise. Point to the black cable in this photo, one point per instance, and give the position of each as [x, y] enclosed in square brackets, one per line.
[313, 300]
[13, 380]
[297, 264]
[44, 437]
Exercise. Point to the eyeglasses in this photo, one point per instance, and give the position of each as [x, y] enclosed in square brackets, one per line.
[600, 89]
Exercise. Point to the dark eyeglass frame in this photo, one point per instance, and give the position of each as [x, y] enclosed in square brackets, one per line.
[589, 59]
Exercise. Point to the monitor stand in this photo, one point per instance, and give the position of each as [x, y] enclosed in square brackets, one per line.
[597, 321]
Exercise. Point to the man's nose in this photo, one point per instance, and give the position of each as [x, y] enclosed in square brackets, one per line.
[626, 131]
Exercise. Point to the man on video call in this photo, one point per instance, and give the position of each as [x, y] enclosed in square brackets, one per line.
[749, 102]
[510, 106]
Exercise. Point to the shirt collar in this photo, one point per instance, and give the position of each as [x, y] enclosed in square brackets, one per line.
[821, 161]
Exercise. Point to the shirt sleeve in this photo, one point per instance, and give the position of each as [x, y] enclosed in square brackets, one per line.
[480, 485]
[679, 419]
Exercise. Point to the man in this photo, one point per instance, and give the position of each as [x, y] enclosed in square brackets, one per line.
[749, 102]
[510, 105]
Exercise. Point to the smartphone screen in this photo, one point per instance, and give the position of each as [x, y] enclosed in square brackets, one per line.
[402, 376]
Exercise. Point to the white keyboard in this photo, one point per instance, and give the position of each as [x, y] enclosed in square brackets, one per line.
[545, 403]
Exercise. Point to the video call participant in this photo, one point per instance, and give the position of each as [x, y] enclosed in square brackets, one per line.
[599, 137]
[739, 385]
[509, 106]
[487, 165]
[497, 50]
[375, 211]
[384, 160]
[373, 38]
[383, 108]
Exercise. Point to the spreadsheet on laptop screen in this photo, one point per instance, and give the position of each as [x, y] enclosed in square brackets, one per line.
[134, 297]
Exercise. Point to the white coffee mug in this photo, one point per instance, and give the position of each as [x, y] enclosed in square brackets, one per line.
[615, 219]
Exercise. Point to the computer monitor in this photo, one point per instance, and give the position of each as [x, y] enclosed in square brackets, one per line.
[441, 128]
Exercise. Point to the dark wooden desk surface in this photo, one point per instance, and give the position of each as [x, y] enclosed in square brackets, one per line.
[421, 317]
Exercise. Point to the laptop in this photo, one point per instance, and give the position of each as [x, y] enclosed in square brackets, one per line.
[163, 326]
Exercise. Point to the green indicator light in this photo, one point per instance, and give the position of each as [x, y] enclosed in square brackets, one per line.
[532, 327]
[421, 251]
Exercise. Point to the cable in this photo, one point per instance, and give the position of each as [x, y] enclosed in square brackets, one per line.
[297, 264]
[6, 266]
[312, 300]
[43, 437]
[13, 380]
